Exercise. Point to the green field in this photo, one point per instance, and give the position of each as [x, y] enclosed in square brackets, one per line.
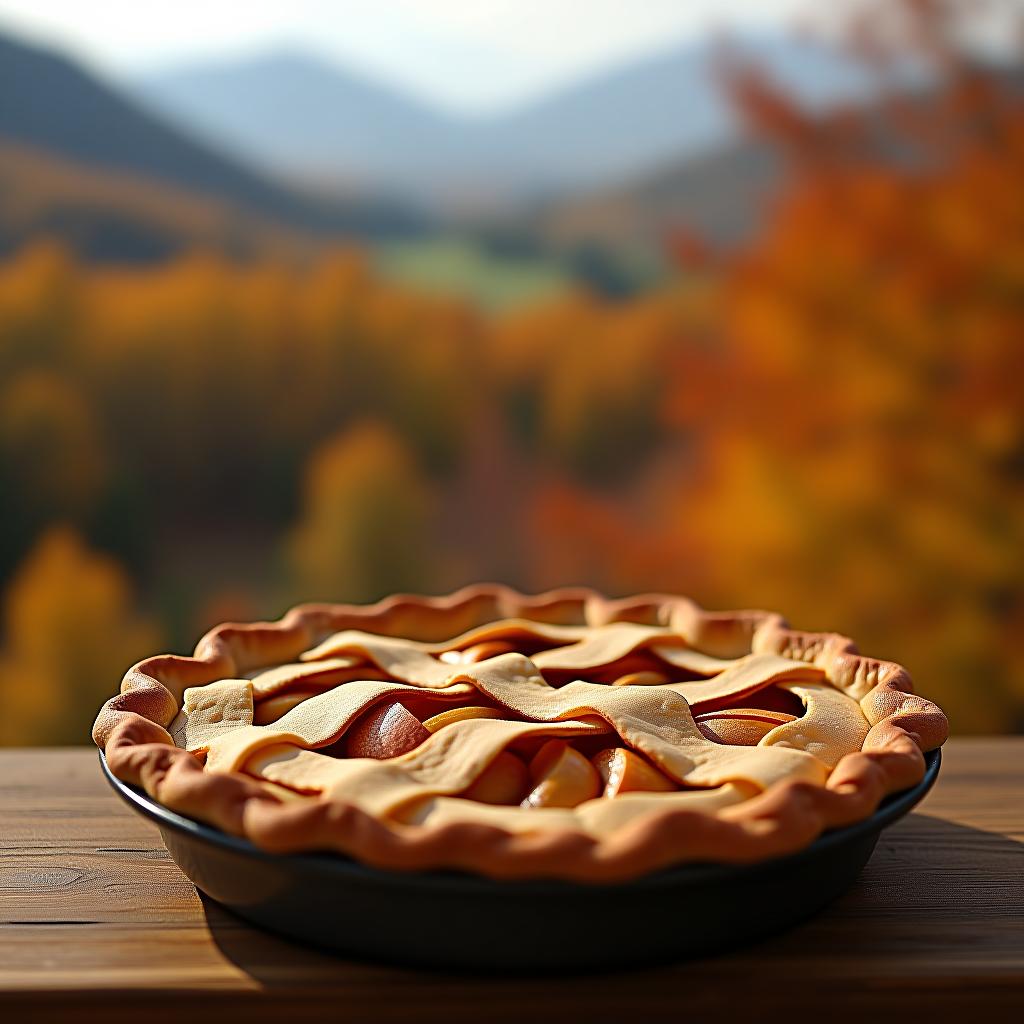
[458, 266]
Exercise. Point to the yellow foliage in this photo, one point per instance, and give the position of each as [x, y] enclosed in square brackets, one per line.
[830, 422]
[50, 443]
[365, 527]
[70, 633]
[585, 378]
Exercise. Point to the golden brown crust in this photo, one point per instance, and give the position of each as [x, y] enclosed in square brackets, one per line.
[132, 728]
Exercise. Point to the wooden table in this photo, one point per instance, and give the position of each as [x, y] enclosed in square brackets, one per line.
[97, 923]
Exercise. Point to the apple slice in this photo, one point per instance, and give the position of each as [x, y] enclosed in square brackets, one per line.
[478, 652]
[271, 709]
[387, 730]
[645, 678]
[639, 663]
[561, 777]
[503, 781]
[453, 715]
[624, 771]
[740, 727]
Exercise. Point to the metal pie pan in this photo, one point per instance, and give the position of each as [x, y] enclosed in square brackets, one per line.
[461, 921]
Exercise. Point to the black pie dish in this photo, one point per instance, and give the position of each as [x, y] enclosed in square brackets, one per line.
[460, 921]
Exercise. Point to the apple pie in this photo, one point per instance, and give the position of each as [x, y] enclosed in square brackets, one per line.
[564, 735]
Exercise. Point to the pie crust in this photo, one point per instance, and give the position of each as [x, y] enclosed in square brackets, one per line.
[182, 728]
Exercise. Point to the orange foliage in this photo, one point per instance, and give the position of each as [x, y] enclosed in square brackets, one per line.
[50, 442]
[830, 423]
[861, 457]
[583, 379]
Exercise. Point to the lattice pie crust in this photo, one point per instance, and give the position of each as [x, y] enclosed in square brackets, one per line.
[245, 734]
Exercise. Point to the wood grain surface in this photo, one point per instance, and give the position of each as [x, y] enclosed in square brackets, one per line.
[97, 923]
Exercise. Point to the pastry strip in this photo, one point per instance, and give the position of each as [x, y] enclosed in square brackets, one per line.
[317, 721]
[449, 762]
[330, 672]
[217, 709]
[595, 817]
[503, 629]
[831, 726]
[746, 676]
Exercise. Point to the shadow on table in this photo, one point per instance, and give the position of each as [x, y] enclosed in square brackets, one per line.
[931, 888]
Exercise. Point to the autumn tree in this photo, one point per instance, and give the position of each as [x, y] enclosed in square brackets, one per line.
[366, 518]
[70, 633]
[858, 459]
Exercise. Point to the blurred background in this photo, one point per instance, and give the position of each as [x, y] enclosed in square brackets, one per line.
[326, 300]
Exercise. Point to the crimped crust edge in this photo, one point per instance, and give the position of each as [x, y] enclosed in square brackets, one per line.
[131, 728]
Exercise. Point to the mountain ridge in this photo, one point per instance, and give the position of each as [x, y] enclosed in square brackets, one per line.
[302, 116]
[51, 103]
[109, 216]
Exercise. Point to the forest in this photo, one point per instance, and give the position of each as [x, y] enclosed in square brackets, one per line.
[827, 421]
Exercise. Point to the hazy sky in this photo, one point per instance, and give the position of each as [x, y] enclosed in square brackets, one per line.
[472, 54]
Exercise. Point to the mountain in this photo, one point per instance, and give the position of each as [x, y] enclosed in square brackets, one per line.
[624, 123]
[292, 112]
[110, 216]
[719, 196]
[722, 194]
[296, 114]
[51, 104]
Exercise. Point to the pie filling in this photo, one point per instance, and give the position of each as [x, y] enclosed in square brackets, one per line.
[525, 725]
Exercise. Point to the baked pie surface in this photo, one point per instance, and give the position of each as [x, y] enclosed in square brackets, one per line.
[562, 735]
